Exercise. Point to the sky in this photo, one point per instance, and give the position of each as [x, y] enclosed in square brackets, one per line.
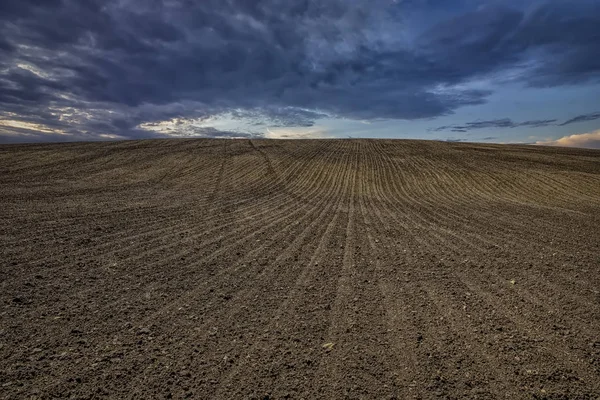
[457, 70]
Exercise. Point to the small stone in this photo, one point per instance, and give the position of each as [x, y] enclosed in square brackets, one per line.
[328, 346]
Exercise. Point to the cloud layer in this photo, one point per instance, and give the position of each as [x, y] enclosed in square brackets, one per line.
[582, 118]
[495, 123]
[508, 123]
[588, 140]
[95, 69]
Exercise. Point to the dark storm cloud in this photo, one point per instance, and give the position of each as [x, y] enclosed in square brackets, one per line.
[567, 33]
[109, 66]
[495, 123]
[582, 118]
[556, 40]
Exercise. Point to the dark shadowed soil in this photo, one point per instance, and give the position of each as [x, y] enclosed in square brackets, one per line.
[359, 269]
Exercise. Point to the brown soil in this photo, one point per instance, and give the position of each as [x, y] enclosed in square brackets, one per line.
[359, 269]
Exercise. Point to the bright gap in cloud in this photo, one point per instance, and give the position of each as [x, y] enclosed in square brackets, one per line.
[314, 132]
[185, 127]
[30, 126]
[34, 70]
[269, 123]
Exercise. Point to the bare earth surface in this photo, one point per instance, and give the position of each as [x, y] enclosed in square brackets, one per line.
[360, 269]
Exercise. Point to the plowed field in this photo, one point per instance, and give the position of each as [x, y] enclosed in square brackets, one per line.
[360, 269]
